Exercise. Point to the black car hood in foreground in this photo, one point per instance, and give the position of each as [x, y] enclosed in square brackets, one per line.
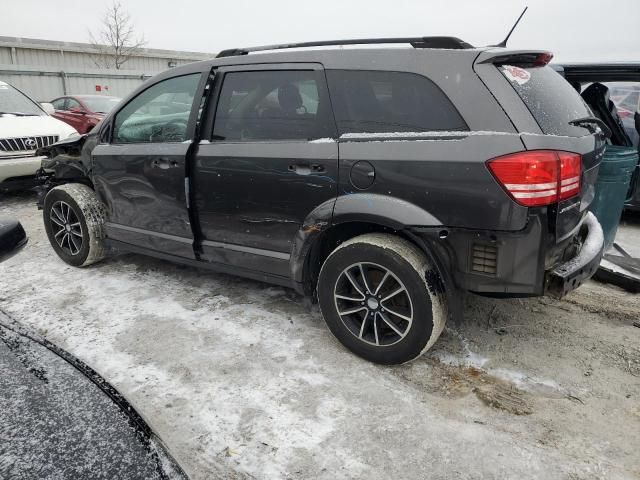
[57, 423]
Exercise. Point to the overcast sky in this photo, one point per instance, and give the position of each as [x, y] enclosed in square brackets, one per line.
[575, 30]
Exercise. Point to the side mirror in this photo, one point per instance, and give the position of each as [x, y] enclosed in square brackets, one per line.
[12, 238]
[47, 107]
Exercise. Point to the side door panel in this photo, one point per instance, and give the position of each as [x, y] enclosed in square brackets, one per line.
[253, 198]
[252, 194]
[143, 186]
[140, 173]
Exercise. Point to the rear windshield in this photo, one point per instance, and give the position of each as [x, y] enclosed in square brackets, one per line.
[553, 102]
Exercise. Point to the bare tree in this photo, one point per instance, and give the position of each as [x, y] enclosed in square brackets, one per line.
[116, 42]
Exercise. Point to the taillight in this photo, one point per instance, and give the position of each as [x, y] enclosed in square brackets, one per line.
[538, 177]
[570, 169]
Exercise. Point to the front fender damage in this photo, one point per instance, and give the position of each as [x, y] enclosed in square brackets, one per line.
[64, 162]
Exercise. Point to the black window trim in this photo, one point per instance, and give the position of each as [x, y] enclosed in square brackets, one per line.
[221, 71]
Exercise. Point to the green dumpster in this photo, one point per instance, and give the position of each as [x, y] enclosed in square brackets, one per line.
[612, 186]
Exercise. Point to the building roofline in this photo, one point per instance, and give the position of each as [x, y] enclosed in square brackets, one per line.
[42, 44]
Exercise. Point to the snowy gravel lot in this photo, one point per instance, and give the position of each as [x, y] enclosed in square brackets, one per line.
[242, 381]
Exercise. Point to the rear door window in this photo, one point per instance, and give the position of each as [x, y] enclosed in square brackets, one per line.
[385, 102]
[552, 101]
[273, 105]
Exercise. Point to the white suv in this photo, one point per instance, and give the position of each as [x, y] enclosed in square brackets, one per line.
[25, 126]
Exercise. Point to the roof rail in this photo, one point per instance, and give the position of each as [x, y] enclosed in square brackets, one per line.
[416, 42]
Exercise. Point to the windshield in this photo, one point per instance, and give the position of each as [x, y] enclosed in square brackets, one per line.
[14, 101]
[100, 104]
[552, 100]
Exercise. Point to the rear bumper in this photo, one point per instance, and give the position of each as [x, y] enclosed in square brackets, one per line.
[516, 264]
[13, 168]
[571, 274]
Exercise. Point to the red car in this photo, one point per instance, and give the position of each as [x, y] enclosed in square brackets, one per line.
[83, 112]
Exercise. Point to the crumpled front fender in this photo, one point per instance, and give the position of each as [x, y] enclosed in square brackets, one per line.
[65, 157]
[66, 161]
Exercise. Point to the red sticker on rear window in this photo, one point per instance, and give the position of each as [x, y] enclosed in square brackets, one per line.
[516, 74]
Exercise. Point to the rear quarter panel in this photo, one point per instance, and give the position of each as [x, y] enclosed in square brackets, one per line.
[447, 178]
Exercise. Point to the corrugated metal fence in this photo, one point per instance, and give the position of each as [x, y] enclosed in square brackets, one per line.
[46, 69]
[44, 84]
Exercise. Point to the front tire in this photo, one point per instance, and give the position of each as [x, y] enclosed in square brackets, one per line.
[376, 300]
[74, 221]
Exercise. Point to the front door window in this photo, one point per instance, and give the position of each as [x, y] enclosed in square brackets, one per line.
[160, 114]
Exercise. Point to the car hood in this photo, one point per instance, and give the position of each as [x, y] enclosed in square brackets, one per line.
[14, 126]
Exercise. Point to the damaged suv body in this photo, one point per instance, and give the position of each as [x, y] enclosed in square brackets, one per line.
[379, 181]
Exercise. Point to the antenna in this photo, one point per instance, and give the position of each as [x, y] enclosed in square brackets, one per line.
[503, 43]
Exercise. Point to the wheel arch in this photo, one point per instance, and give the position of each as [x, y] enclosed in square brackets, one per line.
[348, 216]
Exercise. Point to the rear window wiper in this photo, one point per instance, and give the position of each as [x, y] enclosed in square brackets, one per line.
[581, 122]
[18, 114]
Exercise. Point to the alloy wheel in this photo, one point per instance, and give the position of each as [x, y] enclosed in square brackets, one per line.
[373, 304]
[66, 228]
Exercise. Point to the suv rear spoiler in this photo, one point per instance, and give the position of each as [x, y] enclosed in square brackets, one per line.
[520, 58]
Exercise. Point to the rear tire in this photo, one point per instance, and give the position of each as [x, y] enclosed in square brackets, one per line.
[74, 220]
[376, 300]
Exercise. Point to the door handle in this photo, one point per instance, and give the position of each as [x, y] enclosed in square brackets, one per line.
[164, 163]
[307, 169]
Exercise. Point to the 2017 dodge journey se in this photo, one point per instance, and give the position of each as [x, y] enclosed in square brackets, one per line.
[379, 181]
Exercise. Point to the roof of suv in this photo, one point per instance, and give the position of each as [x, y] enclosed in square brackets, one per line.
[415, 42]
[382, 58]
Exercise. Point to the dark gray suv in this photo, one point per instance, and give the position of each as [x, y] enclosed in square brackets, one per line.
[379, 181]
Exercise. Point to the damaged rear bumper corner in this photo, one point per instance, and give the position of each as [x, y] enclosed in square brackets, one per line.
[569, 275]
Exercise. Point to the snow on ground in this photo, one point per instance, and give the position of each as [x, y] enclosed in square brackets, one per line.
[242, 381]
